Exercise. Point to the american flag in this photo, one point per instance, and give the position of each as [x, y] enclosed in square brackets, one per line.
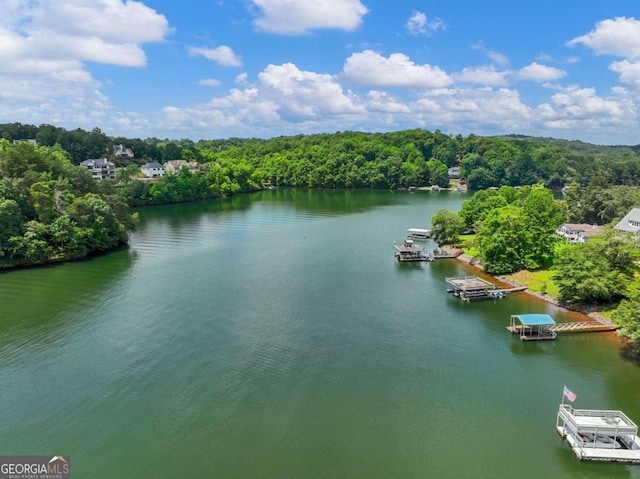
[570, 395]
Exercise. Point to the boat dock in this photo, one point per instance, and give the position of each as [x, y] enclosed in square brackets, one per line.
[532, 327]
[584, 327]
[599, 435]
[418, 234]
[409, 251]
[473, 288]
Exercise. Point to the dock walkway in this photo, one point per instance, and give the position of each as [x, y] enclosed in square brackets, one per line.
[583, 327]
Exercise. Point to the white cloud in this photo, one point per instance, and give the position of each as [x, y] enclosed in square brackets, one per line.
[484, 75]
[419, 24]
[380, 101]
[223, 55]
[209, 82]
[283, 95]
[496, 57]
[629, 72]
[583, 110]
[304, 94]
[43, 47]
[478, 109]
[372, 69]
[619, 37]
[539, 73]
[113, 21]
[242, 79]
[294, 17]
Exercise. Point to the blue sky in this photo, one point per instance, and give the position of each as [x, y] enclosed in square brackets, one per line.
[205, 69]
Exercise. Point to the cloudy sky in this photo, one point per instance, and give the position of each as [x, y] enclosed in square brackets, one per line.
[261, 68]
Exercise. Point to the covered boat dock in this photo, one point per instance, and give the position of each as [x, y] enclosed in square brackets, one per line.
[418, 234]
[599, 435]
[409, 251]
[532, 327]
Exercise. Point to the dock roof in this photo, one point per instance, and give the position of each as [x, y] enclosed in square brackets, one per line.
[534, 319]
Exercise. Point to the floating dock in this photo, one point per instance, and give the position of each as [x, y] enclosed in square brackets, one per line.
[599, 435]
[473, 288]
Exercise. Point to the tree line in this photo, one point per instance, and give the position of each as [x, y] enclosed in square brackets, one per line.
[368, 160]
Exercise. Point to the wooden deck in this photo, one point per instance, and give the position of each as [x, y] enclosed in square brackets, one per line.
[470, 283]
[583, 327]
[474, 288]
[524, 336]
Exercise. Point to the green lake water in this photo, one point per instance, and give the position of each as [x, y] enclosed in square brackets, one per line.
[273, 335]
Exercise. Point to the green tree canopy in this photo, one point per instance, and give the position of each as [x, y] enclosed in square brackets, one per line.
[446, 227]
[598, 271]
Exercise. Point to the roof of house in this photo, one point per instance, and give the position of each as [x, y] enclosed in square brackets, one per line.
[587, 229]
[625, 223]
[153, 164]
[96, 161]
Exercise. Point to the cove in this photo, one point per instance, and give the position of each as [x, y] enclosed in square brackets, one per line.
[274, 335]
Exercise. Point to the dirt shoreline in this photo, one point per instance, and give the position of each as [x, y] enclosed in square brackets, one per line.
[590, 312]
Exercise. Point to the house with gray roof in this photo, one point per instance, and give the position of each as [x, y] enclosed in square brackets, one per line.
[630, 223]
[153, 170]
[100, 168]
[121, 151]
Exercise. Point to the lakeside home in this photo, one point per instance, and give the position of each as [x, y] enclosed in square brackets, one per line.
[101, 168]
[630, 223]
[577, 233]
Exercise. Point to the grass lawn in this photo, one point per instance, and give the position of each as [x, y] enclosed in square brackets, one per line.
[539, 281]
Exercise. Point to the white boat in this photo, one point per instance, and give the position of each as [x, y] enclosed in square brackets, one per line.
[418, 233]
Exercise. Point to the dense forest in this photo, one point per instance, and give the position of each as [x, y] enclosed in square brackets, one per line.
[51, 210]
[362, 160]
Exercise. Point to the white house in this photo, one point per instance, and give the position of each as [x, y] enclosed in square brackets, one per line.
[630, 223]
[101, 168]
[153, 170]
[577, 233]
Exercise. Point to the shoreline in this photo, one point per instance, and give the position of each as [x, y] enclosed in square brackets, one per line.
[588, 312]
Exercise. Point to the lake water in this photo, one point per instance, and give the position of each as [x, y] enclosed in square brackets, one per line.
[273, 335]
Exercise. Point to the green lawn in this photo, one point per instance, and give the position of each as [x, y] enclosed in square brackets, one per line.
[539, 281]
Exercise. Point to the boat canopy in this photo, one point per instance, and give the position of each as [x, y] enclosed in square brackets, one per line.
[534, 319]
[418, 231]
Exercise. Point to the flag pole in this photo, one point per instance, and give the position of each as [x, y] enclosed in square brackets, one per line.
[563, 388]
